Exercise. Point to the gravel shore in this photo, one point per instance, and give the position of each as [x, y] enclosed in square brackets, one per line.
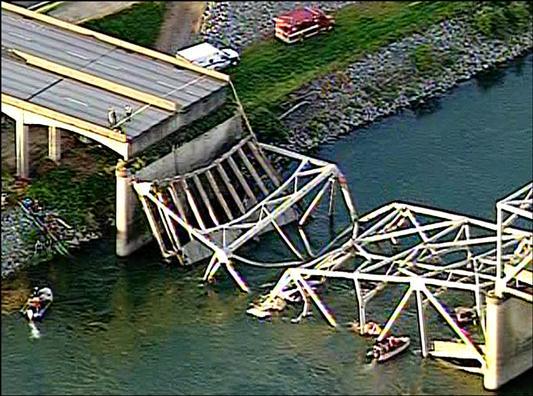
[23, 243]
[15, 230]
[382, 83]
[377, 85]
[239, 23]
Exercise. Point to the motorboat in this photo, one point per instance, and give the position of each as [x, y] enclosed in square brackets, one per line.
[388, 348]
[37, 304]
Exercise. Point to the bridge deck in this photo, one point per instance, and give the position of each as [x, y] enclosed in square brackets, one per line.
[72, 97]
[105, 60]
[81, 74]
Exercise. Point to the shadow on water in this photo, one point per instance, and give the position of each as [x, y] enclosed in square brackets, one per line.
[490, 78]
[429, 106]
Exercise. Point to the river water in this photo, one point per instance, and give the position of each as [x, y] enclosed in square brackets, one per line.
[140, 326]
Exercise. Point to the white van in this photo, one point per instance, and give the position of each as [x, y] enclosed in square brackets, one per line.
[209, 56]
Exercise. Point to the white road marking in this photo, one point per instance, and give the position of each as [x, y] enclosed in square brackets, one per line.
[76, 55]
[19, 35]
[76, 101]
[110, 66]
[165, 84]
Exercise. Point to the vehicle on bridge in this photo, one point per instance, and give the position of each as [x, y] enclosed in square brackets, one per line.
[302, 23]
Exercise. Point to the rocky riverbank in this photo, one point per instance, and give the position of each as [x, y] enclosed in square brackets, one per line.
[382, 83]
[237, 24]
[24, 243]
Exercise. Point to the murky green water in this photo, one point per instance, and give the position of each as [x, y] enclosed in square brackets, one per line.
[139, 326]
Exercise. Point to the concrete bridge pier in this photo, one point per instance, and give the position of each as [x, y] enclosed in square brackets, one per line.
[131, 233]
[508, 343]
[54, 143]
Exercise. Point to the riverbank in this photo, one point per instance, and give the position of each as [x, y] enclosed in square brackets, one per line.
[383, 83]
[380, 82]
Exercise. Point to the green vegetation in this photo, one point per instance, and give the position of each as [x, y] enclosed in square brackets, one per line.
[88, 200]
[500, 19]
[270, 70]
[139, 24]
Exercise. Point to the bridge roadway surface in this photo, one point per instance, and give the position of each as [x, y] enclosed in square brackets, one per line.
[42, 85]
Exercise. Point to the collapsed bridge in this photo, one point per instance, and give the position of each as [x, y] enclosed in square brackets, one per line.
[438, 257]
[213, 211]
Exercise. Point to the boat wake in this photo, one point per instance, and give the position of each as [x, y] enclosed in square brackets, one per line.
[35, 333]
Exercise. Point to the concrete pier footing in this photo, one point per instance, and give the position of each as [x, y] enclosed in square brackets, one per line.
[509, 351]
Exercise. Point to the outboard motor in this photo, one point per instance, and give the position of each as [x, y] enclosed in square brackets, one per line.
[45, 294]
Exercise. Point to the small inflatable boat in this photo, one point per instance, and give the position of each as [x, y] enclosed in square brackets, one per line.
[388, 348]
[37, 304]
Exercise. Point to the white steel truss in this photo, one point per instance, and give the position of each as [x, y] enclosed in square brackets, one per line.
[515, 210]
[430, 251]
[252, 188]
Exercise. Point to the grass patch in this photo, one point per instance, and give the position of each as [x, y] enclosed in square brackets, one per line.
[270, 70]
[139, 24]
[500, 19]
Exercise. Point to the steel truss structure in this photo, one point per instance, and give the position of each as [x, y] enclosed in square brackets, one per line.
[430, 251]
[252, 188]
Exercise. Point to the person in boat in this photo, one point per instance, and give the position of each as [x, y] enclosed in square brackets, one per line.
[393, 342]
[34, 304]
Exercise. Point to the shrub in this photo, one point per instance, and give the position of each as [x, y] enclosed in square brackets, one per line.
[267, 126]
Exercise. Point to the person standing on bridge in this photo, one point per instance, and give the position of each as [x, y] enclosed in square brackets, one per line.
[129, 112]
[111, 116]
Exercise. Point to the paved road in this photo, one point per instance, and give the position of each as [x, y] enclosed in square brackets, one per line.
[182, 22]
[79, 11]
[27, 4]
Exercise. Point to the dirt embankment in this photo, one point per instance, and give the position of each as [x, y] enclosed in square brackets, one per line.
[182, 23]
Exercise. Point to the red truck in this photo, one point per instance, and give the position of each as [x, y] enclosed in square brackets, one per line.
[298, 24]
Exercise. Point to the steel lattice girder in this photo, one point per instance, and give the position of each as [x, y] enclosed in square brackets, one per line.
[434, 249]
[519, 207]
[187, 224]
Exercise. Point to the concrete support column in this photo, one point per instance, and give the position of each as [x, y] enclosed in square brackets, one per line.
[54, 143]
[508, 347]
[131, 233]
[22, 148]
[124, 210]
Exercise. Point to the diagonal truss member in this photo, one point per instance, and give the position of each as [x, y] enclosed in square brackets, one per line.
[434, 253]
[212, 212]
